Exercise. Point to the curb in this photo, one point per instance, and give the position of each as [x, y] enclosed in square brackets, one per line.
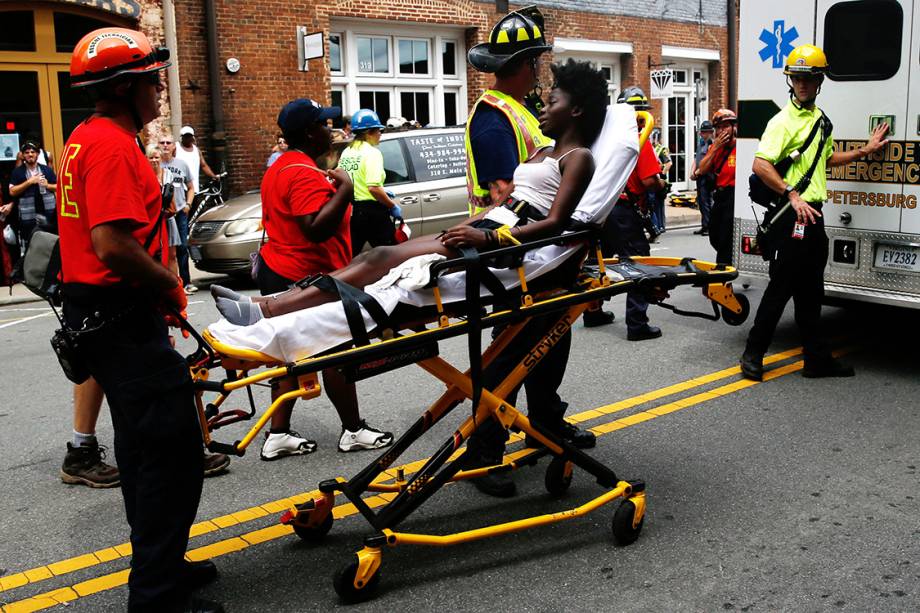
[11, 300]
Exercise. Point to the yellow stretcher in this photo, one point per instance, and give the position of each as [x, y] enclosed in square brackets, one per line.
[412, 342]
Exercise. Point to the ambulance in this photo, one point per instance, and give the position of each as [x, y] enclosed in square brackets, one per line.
[872, 214]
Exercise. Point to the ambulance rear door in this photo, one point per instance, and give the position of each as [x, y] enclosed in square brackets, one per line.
[868, 46]
[768, 33]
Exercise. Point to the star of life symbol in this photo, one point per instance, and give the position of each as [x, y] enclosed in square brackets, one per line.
[777, 43]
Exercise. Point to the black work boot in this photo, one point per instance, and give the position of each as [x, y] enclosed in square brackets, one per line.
[83, 465]
[498, 484]
[827, 367]
[593, 319]
[752, 366]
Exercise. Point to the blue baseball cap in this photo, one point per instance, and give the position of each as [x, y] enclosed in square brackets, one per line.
[302, 112]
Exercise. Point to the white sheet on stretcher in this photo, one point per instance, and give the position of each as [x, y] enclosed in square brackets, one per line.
[310, 331]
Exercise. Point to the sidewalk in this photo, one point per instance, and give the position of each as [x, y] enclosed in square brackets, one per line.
[681, 217]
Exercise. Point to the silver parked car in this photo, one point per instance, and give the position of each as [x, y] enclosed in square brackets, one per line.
[425, 169]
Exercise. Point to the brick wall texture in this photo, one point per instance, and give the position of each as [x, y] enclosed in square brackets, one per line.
[261, 35]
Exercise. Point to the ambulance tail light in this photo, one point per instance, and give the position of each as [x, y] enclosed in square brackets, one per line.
[749, 245]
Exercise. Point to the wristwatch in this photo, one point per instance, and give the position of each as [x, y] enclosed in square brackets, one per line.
[788, 190]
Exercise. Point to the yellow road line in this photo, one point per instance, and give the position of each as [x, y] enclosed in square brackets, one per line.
[81, 562]
[237, 543]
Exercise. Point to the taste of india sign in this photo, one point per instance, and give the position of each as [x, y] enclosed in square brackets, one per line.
[124, 8]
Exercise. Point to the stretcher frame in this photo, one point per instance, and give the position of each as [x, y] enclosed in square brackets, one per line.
[313, 519]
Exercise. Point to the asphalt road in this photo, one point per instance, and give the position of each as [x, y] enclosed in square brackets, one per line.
[791, 494]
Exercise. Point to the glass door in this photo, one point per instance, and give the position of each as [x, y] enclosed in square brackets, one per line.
[678, 132]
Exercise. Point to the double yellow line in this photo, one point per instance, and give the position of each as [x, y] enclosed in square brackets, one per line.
[236, 543]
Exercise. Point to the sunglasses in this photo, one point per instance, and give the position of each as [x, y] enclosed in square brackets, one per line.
[166, 142]
[152, 77]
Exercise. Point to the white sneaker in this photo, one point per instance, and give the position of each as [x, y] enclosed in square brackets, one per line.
[365, 438]
[190, 289]
[283, 444]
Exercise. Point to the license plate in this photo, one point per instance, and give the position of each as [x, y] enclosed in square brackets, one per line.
[897, 257]
[194, 252]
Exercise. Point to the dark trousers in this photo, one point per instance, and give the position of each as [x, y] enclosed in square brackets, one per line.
[371, 223]
[623, 235]
[271, 282]
[182, 250]
[797, 272]
[722, 224]
[656, 204]
[543, 402]
[704, 201]
[158, 443]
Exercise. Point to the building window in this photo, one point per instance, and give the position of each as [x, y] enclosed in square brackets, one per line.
[607, 63]
[450, 108]
[449, 58]
[415, 106]
[17, 31]
[373, 55]
[862, 40]
[413, 57]
[377, 101]
[337, 97]
[335, 53]
[610, 75]
[410, 71]
[680, 77]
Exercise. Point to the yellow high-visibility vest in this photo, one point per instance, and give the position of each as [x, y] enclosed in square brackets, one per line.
[526, 130]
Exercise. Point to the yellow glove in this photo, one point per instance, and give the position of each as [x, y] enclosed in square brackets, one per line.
[505, 238]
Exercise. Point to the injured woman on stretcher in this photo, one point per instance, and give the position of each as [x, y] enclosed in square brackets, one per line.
[578, 179]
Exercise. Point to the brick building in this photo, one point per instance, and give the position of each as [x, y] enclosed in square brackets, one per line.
[402, 57]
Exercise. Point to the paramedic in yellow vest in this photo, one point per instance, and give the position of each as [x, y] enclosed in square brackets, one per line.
[373, 211]
[502, 132]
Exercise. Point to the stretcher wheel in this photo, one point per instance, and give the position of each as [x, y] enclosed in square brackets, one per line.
[623, 531]
[557, 481]
[344, 583]
[316, 533]
[736, 319]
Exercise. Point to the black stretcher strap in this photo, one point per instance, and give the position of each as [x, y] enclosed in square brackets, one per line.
[474, 320]
[352, 300]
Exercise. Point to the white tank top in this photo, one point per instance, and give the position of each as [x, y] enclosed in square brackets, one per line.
[537, 183]
[194, 162]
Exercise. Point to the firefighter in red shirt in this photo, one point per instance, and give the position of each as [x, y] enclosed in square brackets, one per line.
[719, 161]
[116, 289]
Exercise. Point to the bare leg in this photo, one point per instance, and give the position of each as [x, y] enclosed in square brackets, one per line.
[365, 269]
[281, 420]
[340, 392]
[87, 402]
[344, 398]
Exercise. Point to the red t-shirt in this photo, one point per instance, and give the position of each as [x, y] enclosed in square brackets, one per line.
[648, 165]
[290, 191]
[726, 176]
[104, 177]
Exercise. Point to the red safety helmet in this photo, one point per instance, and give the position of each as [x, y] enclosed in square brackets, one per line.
[106, 53]
[723, 116]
